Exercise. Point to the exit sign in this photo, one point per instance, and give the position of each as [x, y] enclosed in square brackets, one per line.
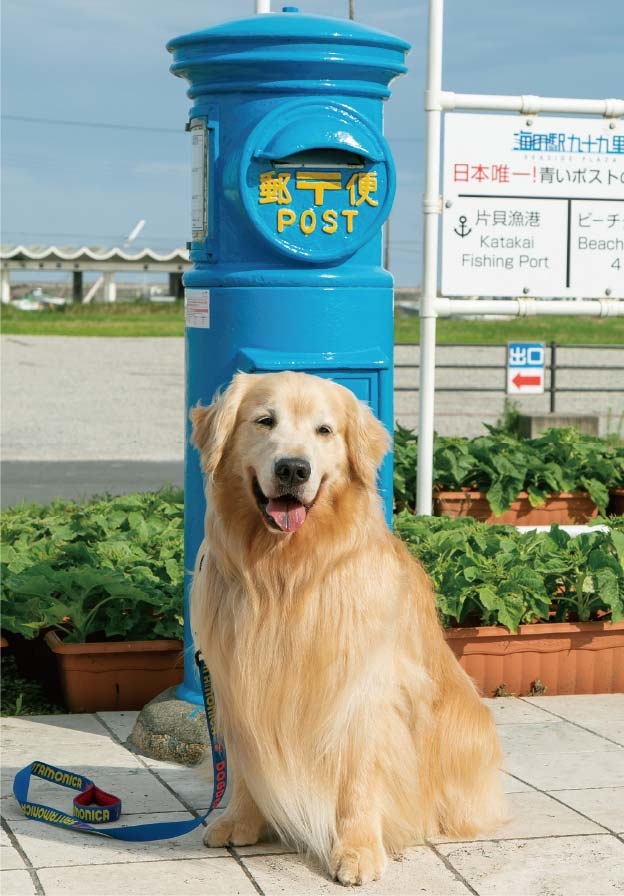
[525, 368]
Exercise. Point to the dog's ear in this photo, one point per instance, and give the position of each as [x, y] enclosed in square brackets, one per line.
[213, 425]
[367, 442]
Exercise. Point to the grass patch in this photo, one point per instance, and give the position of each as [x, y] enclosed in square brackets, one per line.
[119, 319]
[136, 319]
[563, 330]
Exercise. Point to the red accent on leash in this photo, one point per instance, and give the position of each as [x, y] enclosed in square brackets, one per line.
[95, 796]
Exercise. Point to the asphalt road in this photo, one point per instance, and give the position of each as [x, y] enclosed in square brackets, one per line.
[84, 416]
[90, 416]
[41, 481]
[72, 398]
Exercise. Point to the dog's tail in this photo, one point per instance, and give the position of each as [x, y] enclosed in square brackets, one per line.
[302, 812]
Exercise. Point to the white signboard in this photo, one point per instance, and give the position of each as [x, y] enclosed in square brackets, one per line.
[533, 206]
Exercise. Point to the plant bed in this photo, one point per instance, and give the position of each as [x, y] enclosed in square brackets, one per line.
[108, 577]
[559, 658]
[112, 571]
[111, 567]
[564, 508]
[102, 676]
[527, 612]
[507, 469]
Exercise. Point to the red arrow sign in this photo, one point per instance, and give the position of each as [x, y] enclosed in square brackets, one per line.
[519, 381]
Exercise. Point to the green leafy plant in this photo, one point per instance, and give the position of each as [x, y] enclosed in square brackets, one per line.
[509, 423]
[111, 568]
[502, 466]
[495, 575]
[405, 467]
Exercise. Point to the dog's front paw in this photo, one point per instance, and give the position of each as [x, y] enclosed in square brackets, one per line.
[232, 831]
[357, 865]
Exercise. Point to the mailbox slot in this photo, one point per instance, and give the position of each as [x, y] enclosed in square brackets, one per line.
[320, 158]
[310, 130]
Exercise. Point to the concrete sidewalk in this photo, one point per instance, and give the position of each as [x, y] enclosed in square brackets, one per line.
[564, 774]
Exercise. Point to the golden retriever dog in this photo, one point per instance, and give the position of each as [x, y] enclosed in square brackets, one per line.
[351, 729]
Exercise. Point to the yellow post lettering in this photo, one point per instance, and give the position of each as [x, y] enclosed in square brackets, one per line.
[318, 181]
[349, 214]
[285, 217]
[330, 218]
[307, 221]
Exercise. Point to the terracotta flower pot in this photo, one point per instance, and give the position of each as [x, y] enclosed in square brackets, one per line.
[567, 658]
[565, 508]
[115, 675]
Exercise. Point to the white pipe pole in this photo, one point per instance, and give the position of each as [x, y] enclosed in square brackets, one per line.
[532, 105]
[93, 289]
[431, 213]
[263, 6]
[138, 227]
[5, 285]
[531, 307]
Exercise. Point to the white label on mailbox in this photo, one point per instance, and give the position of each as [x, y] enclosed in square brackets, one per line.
[197, 308]
[199, 180]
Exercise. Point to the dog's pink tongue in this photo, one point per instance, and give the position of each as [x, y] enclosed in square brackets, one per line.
[288, 514]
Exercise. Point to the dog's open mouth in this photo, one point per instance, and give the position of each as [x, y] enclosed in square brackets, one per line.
[284, 512]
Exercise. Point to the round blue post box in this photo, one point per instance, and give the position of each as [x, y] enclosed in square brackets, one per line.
[292, 181]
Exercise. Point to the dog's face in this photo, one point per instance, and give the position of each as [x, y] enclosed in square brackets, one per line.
[289, 441]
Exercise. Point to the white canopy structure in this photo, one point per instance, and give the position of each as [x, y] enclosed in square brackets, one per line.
[105, 261]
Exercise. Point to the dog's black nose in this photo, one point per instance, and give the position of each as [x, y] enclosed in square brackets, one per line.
[291, 471]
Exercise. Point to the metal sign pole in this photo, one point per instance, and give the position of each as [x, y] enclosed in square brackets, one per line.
[607, 302]
[431, 212]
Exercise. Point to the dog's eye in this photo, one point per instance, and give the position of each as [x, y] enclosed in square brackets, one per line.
[324, 430]
[267, 421]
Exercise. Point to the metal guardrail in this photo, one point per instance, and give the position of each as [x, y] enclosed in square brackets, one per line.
[554, 366]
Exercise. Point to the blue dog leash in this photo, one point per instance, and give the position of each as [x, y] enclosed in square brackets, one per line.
[97, 806]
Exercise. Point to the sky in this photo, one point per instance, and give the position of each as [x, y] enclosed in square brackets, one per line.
[68, 65]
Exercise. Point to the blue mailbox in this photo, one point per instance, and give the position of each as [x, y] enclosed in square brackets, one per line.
[292, 181]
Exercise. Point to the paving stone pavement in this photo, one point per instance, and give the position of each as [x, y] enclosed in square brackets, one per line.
[563, 773]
